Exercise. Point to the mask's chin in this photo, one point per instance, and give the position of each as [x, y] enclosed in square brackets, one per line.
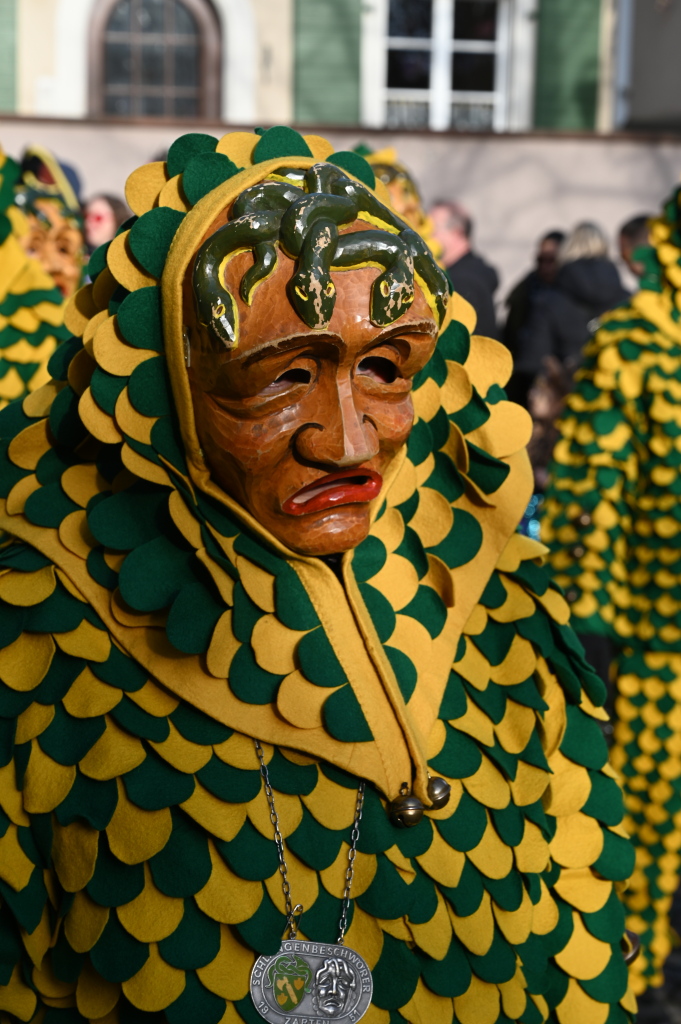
[321, 533]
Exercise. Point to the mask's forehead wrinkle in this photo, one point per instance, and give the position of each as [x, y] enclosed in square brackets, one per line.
[275, 346]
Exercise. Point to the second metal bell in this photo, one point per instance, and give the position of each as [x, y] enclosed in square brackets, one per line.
[439, 792]
[406, 811]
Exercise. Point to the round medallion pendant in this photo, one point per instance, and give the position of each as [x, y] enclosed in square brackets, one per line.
[311, 983]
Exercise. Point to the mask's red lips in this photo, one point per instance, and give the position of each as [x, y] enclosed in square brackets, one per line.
[344, 487]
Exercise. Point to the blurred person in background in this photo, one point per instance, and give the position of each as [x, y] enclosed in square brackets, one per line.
[561, 319]
[104, 214]
[519, 303]
[612, 519]
[586, 285]
[471, 277]
[634, 235]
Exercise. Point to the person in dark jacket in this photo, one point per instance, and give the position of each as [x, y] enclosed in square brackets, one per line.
[520, 301]
[471, 277]
[549, 346]
[561, 320]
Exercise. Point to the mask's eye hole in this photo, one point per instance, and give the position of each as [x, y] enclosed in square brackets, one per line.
[294, 376]
[379, 369]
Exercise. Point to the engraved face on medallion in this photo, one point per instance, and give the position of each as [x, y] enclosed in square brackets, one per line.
[311, 983]
[334, 984]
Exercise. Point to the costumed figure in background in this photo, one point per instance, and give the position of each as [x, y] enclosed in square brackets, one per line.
[612, 520]
[41, 264]
[266, 613]
[47, 194]
[405, 197]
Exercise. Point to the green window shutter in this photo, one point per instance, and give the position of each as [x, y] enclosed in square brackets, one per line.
[567, 64]
[8, 47]
[327, 62]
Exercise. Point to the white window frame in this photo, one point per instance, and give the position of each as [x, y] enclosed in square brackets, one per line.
[514, 49]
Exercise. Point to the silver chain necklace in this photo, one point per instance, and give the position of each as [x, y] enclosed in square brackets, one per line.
[308, 982]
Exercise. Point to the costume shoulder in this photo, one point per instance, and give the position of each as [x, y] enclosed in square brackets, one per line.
[31, 306]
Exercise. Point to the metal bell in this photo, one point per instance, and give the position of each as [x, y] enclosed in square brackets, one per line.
[438, 793]
[406, 811]
[631, 946]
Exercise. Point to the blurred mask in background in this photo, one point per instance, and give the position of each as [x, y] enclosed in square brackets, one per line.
[47, 195]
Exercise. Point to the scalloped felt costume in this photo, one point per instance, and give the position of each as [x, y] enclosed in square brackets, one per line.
[150, 628]
[611, 517]
[31, 305]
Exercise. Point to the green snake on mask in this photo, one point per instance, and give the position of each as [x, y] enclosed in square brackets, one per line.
[306, 224]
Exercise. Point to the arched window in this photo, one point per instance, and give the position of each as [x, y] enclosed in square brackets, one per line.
[155, 58]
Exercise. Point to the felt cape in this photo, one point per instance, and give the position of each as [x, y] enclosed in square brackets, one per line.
[31, 306]
[611, 518]
[151, 628]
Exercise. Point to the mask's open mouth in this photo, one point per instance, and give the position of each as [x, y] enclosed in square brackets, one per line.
[340, 488]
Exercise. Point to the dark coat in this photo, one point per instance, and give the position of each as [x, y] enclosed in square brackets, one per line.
[477, 282]
[519, 303]
[560, 320]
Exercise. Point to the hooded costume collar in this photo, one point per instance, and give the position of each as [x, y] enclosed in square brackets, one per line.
[106, 478]
[659, 299]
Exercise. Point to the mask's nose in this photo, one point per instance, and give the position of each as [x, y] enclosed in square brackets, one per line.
[341, 435]
[51, 259]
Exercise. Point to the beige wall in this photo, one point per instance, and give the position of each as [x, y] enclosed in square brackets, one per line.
[257, 59]
[52, 52]
[274, 99]
[515, 186]
[35, 53]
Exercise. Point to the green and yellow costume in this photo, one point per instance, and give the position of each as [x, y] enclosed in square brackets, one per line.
[612, 519]
[150, 629]
[31, 305]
